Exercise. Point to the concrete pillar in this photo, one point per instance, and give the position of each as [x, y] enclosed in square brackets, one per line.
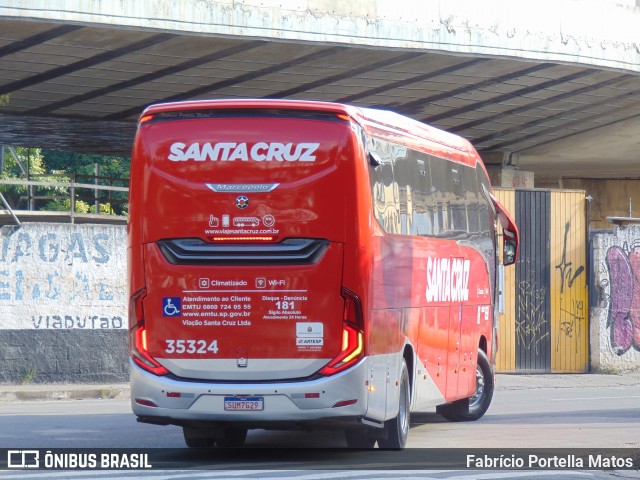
[509, 177]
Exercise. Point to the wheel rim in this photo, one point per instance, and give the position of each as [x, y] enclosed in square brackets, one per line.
[476, 398]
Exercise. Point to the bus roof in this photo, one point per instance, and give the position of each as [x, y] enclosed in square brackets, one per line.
[386, 119]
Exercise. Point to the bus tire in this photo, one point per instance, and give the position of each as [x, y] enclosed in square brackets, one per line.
[474, 407]
[234, 437]
[396, 430]
[198, 437]
[359, 438]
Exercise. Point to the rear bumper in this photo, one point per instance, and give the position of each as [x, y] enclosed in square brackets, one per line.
[181, 402]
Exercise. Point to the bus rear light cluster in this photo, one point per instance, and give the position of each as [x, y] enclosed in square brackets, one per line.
[352, 349]
[138, 345]
[263, 238]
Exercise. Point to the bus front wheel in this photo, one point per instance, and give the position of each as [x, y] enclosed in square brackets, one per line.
[474, 407]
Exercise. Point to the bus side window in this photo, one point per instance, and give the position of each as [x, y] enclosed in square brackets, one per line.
[484, 210]
[422, 223]
[458, 201]
[401, 175]
[383, 186]
[471, 199]
[441, 195]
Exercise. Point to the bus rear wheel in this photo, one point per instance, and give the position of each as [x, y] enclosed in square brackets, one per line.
[474, 407]
[396, 430]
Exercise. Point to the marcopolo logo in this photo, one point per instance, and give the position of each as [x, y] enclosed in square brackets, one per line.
[230, 151]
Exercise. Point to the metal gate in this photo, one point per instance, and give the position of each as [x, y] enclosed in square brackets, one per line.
[544, 327]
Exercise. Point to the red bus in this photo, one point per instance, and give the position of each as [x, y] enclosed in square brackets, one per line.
[298, 264]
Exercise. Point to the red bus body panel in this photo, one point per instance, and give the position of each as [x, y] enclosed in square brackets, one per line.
[255, 174]
[250, 311]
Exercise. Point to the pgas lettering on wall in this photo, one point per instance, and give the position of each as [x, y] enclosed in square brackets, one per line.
[54, 248]
[52, 286]
[45, 267]
[447, 279]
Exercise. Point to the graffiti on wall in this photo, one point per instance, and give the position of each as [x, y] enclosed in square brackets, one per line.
[623, 318]
[572, 310]
[63, 277]
[530, 326]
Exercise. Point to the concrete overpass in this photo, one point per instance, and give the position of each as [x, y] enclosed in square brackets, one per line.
[551, 86]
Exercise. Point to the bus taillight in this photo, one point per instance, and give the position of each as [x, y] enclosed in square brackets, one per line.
[352, 349]
[138, 337]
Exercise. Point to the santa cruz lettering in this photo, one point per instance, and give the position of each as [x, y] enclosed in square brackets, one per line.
[447, 279]
[230, 151]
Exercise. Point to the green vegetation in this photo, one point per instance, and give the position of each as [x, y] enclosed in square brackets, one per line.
[84, 164]
[29, 160]
[64, 167]
[64, 205]
[29, 375]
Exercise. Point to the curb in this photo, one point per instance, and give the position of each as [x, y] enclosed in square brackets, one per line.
[504, 382]
[52, 392]
[507, 381]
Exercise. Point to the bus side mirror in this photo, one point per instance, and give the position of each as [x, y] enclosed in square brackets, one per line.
[510, 234]
[509, 250]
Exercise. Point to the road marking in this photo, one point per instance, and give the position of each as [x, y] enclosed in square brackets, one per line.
[590, 398]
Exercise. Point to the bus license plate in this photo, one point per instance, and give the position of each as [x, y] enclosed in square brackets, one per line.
[243, 404]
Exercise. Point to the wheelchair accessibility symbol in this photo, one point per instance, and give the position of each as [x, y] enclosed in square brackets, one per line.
[170, 306]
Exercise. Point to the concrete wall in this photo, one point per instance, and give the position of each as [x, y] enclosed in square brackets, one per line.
[610, 197]
[64, 306]
[63, 303]
[615, 311]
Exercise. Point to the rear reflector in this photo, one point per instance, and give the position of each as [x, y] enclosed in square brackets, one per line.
[345, 403]
[145, 403]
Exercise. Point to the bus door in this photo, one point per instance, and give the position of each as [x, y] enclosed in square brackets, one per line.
[453, 350]
[473, 317]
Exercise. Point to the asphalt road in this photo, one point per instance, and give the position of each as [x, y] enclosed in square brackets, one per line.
[584, 415]
[551, 415]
